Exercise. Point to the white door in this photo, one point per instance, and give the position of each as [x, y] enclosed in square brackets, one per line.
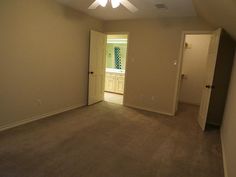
[211, 63]
[96, 67]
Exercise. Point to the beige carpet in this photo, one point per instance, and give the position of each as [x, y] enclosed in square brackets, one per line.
[109, 140]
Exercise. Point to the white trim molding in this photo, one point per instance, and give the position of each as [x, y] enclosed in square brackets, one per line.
[38, 117]
[148, 109]
[224, 157]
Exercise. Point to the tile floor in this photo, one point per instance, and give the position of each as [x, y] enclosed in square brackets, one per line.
[113, 98]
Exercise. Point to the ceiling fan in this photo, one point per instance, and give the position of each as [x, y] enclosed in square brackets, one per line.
[114, 4]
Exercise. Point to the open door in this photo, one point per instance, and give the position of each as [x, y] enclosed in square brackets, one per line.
[208, 86]
[96, 67]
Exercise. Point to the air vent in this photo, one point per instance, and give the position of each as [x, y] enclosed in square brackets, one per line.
[161, 6]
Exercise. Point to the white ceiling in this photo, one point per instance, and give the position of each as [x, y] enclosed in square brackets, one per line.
[147, 9]
[220, 13]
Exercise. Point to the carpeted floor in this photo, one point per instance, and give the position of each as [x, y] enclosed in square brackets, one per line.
[109, 140]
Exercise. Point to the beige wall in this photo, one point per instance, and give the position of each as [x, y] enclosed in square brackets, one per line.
[194, 68]
[228, 130]
[44, 51]
[154, 46]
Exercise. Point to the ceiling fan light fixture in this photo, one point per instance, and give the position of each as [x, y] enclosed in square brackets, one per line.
[103, 3]
[115, 3]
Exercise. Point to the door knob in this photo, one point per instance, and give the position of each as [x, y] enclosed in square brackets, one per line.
[210, 86]
[91, 72]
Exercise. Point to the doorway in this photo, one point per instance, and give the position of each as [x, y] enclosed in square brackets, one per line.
[116, 57]
[217, 76]
[194, 68]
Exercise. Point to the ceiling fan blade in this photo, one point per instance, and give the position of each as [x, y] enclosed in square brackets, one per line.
[94, 5]
[129, 6]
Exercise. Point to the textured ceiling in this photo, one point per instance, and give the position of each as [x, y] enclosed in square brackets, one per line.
[147, 9]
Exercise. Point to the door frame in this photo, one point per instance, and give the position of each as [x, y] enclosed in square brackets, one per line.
[179, 66]
[127, 55]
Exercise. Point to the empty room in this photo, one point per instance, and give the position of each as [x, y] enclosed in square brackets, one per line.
[117, 88]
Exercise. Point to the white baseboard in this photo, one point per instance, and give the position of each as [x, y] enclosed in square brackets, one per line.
[148, 109]
[37, 117]
[224, 158]
[193, 104]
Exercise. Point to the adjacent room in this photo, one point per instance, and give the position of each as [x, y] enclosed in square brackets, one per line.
[117, 88]
[116, 54]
